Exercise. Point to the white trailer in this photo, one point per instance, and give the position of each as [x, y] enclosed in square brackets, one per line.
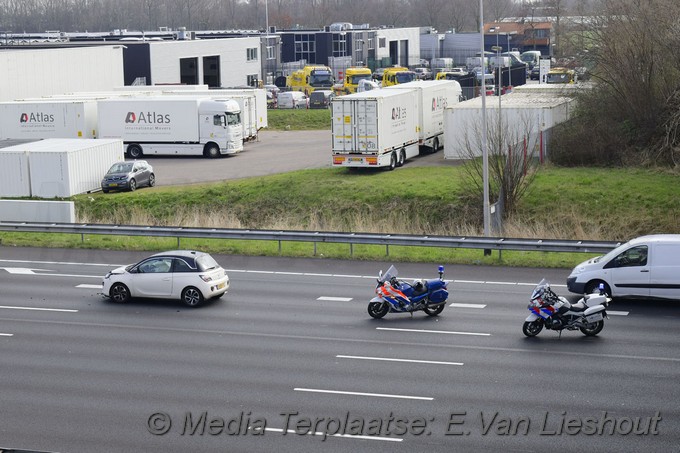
[48, 118]
[377, 128]
[444, 62]
[434, 97]
[172, 125]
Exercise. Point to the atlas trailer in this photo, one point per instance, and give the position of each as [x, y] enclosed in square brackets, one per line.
[434, 96]
[172, 125]
[377, 128]
[48, 118]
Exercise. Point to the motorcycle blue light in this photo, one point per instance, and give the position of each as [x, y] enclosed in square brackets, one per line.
[441, 268]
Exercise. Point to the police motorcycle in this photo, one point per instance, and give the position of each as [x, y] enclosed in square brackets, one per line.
[398, 296]
[556, 313]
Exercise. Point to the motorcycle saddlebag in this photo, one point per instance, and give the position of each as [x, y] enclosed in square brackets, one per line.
[439, 296]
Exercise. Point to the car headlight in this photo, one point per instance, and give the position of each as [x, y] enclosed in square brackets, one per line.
[206, 278]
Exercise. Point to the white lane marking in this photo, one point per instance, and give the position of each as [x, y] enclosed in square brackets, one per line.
[385, 359]
[63, 310]
[6, 334]
[335, 299]
[346, 436]
[501, 283]
[617, 313]
[454, 305]
[89, 286]
[23, 270]
[379, 395]
[434, 331]
[479, 282]
[61, 263]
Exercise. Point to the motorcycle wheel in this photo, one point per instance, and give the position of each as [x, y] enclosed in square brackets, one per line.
[532, 328]
[433, 310]
[378, 309]
[590, 330]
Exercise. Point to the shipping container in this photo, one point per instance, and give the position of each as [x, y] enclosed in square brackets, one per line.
[48, 118]
[62, 167]
[523, 117]
[377, 128]
[434, 97]
[14, 178]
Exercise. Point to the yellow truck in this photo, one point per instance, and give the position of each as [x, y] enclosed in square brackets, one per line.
[353, 76]
[397, 75]
[311, 78]
[561, 75]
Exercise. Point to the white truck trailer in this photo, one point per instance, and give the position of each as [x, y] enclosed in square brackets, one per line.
[49, 118]
[172, 125]
[377, 128]
[434, 97]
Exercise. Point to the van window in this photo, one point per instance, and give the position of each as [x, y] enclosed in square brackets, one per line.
[636, 256]
[670, 256]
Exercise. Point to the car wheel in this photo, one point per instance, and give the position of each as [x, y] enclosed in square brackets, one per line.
[594, 286]
[192, 297]
[119, 293]
[134, 151]
[133, 185]
[152, 180]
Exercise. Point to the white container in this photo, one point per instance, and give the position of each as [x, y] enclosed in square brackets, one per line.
[371, 128]
[48, 118]
[61, 167]
[14, 177]
[522, 115]
[435, 96]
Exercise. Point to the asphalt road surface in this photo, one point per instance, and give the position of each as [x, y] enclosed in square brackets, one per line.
[290, 357]
[274, 152]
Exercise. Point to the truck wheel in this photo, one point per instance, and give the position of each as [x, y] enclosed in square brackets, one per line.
[435, 145]
[134, 151]
[402, 158]
[393, 161]
[212, 151]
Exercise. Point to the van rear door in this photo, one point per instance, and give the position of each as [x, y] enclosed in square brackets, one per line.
[665, 271]
[630, 272]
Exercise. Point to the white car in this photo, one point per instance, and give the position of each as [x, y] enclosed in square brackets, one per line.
[187, 275]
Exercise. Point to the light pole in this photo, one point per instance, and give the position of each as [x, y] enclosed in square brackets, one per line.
[485, 151]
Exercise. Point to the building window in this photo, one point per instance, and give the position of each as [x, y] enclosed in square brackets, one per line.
[382, 42]
[251, 53]
[252, 80]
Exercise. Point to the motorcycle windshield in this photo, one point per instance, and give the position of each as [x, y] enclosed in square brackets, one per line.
[540, 289]
[391, 272]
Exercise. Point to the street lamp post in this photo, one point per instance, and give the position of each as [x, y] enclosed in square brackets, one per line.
[485, 151]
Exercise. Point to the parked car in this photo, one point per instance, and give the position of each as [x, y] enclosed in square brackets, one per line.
[128, 176]
[534, 73]
[292, 100]
[187, 275]
[423, 73]
[320, 99]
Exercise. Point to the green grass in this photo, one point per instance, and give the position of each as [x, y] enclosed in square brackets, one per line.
[563, 203]
[299, 120]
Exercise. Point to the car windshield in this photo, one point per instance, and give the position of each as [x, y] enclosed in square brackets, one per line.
[404, 77]
[233, 119]
[321, 79]
[206, 263]
[123, 167]
[357, 78]
[558, 78]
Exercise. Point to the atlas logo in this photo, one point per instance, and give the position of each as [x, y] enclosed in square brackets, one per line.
[36, 118]
[438, 103]
[398, 113]
[147, 118]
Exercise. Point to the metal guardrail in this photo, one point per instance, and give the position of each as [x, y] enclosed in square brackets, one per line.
[486, 243]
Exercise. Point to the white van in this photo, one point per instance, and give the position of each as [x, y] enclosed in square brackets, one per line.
[292, 100]
[645, 267]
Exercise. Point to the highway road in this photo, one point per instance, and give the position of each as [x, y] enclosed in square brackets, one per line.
[289, 357]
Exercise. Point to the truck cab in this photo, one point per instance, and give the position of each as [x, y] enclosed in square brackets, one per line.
[353, 76]
[561, 75]
[311, 78]
[397, 75]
